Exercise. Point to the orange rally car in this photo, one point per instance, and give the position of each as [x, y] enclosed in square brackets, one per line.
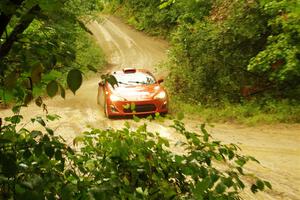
[136, 92]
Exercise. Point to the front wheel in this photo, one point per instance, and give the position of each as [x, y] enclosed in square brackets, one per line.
[100, 96]
[106, 111]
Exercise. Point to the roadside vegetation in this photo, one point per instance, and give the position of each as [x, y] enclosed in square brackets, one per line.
[44, 48]
[119, 164]
[249, 113]
[239, 57]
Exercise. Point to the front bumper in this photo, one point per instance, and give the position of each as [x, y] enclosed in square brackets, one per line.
[144, 107]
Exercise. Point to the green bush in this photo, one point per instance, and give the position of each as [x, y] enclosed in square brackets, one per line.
[119, 164]
[225, 50]
[250, 112]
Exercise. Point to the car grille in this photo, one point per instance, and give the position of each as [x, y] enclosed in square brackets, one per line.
[141, 108]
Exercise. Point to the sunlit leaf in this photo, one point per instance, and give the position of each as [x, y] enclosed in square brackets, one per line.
[136, 119]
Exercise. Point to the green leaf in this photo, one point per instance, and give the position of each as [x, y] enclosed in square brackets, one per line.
[179, 159]
[52, 88]
[90, 164]
[140, 190]
[253, 159]
[19, 189]
[50, 131]
[240, 170]
[66, 192]
[132, 106]
[28, 98]
[220, 188]
[254, 188]
[39, 101]
[10, 167]
[82, 25]
[16, 119]
[62, 91]
[58, 155]
[36, 73]
[260, 185]
[218, 157]
[74, 80]
[38, 150]
[52, 117]
[11, 80]
[90, 67]
[180, 116]
[157, 115]
[16, 109]
[34, 133]
[49, 151]
[204, 131]
[214, 177]
[268, 184]
[241, 161]
[202, 186]
[228, 181]
[136, 119]
[240, 183]
[77, 139]
[126, 181]
[40, 121]
[230, 154]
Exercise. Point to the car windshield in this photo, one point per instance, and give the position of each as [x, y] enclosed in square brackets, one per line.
[138, 78]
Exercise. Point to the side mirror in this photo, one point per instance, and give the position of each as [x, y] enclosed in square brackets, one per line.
[101, 83]
[159, 81]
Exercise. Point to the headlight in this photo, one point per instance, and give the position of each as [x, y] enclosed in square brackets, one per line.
[116, 98]
[161, 95]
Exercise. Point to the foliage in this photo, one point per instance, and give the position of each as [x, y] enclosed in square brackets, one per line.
[213, 68]
[40, 42]
[279, 61]
[33, 164]
[250, 112]
[225, 50]
[119, 164]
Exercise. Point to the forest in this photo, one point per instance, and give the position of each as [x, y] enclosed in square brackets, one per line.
[243, 55]
[227, 58]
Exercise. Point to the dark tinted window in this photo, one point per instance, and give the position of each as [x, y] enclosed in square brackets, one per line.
[138, 78]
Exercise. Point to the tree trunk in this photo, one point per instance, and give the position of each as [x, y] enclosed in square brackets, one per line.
[5, 18]
[25, 21]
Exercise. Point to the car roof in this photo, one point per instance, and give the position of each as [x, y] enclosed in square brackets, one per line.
[131, 71]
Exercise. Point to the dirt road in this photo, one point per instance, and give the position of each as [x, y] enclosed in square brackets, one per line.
[276, 147]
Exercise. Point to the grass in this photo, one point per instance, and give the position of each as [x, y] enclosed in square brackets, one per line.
[249, 113]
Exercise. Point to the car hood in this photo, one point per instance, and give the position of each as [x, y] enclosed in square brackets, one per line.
[137, 92]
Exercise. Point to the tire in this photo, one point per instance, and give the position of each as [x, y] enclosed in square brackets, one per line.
[105, 111]
[98, 96]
